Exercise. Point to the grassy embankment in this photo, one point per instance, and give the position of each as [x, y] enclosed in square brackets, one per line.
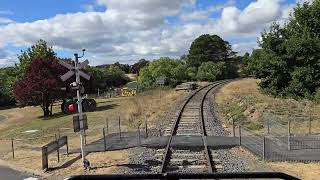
[242, 101]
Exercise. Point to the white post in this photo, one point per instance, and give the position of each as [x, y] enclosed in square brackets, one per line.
[80, 108]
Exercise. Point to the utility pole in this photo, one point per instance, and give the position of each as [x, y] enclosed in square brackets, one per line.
[83, 153]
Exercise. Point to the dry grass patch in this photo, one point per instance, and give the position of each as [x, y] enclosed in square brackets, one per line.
[306, 171]
[101, 163]
[242, 101]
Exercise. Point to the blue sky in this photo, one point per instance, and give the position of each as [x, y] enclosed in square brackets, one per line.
[126, 30]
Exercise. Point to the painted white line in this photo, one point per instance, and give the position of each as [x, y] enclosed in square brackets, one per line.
[30, 178]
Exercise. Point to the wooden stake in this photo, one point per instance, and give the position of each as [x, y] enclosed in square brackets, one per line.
[12, 147]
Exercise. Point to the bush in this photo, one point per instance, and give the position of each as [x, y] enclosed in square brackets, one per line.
[172, 69]
[210, 71]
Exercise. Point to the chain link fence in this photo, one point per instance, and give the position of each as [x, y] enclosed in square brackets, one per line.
[281, 148]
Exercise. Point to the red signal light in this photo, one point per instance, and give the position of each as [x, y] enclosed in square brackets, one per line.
[71, 107]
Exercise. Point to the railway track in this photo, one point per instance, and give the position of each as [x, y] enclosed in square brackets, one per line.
[189, 122]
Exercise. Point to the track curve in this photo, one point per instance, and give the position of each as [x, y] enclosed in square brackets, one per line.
[189, 122]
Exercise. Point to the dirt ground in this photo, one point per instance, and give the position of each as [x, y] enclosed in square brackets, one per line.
[27, 144]
[246, 91]
[306, 171]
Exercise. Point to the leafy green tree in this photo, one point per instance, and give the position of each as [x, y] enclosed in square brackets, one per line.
[40, 50]
[135, 68]
[191, 73]
[209, 48]
[7, 80]
[163, 67]
[124, 67]
[115, 77]
[244, 65]
[288, 63]
[97, 80]
[210, 71]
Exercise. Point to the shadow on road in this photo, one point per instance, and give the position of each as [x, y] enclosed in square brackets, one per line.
[66, 164]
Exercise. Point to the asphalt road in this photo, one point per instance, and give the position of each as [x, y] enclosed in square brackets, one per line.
[10, 174]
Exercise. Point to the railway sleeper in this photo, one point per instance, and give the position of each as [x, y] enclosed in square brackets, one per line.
[189, 168]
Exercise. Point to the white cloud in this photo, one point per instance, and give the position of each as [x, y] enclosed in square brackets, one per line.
[253, 18]
[5, 20]
[7, 58]
[242, 48]
[89, 7]
[133, 29]
[197, 15]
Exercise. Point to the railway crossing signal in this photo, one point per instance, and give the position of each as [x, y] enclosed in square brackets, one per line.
[72, 70]
[76, 70]
[71, 107]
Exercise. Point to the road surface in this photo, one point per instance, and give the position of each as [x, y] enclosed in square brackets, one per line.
[10, 174]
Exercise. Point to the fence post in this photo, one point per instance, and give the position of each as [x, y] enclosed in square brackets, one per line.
[233, 128]
[146, 126]
[239, 135]
[310, 117]
[67, 146]
[104, 139]
[12, 147]
[44, 158]
[268, 126]
[119, 128]
[264, 148]
[139, 140]
[289, 134]
[58, 152]
[107, 123]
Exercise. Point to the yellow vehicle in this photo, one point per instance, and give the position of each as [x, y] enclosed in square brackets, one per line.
[128, 92]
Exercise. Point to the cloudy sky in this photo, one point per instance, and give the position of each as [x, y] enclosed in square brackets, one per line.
[127, 30]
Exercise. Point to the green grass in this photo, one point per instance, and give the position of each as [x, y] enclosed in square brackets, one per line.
[254, 126]
[130, 109]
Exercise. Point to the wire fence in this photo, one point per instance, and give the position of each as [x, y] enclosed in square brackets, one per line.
[100, 137]
[281, 148]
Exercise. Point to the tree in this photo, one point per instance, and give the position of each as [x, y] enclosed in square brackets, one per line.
[210, 71]
[115, 77]
[7, 79]
[288, 63]
[135, 68]
[163, 67]
[40, 85]
[124, 67]
[97, 80]
[208, 48]
[244, 65]
[38, 51]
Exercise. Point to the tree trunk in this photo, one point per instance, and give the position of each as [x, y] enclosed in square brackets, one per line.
[51, 109]
[46, 111]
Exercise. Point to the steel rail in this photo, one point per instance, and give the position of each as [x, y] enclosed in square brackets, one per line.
[175, 126]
